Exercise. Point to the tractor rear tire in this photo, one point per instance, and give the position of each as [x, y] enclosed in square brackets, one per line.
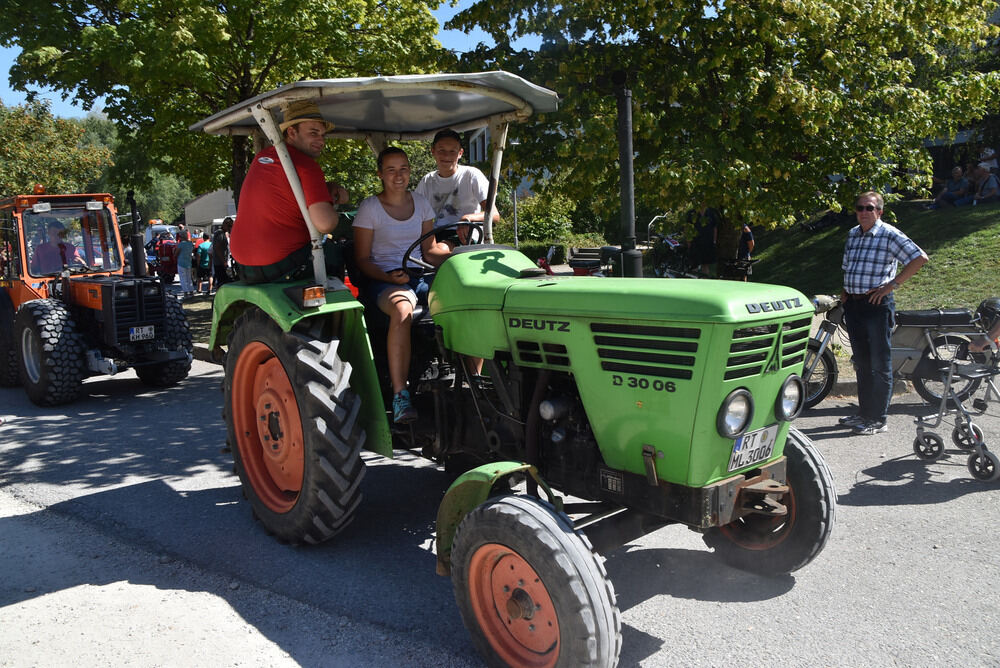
[50, 352]
[530, 588]
[177, 336]
[294, 428]
[777, 545]
[8, 349]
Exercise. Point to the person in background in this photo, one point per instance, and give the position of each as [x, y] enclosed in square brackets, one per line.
[745, 249]
[204, 264]
[183, 252]
[706, 237]
[988, 159]
[954, 189]
[987, 189]
[51, 255]
[220, 254]
[872, 253]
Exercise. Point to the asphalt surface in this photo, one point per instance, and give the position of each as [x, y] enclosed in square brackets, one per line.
[124, 540]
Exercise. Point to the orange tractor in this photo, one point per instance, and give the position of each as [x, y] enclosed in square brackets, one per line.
[67, 308]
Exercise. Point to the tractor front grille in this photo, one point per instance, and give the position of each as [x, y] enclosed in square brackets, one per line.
[752, 348]
[129, 308]
[666, 352]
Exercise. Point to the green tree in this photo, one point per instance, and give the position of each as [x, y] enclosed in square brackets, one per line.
[37, 148]
[745, 106]
[161, 66]
[159, 194]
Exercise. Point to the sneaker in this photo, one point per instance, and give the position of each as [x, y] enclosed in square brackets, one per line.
[871, 428]
[402, 410]
[851, 420]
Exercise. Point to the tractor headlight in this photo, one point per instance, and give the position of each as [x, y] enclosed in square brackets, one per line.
[735, 414]
[151, 290]
[790, 399]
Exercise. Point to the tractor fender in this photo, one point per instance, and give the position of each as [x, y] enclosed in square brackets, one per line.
[278, 302]
[470, 490]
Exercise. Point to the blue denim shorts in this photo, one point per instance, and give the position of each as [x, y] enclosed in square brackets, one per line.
[419, 286]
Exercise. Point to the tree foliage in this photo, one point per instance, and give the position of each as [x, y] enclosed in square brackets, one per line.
[159, 195]
[36, 147]
[746, 106]
[161, 66]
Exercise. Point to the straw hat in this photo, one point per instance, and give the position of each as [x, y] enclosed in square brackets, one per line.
[302, 110]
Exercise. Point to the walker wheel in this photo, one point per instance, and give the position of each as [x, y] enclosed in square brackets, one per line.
[985, 466]
[966, 435]
[928, 446]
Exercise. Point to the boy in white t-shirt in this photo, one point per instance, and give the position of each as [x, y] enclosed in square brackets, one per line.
[456, 192]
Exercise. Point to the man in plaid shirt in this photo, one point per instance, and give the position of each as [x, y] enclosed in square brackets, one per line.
[874, 250]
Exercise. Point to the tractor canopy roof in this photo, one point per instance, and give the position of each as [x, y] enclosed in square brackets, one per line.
[397, 107]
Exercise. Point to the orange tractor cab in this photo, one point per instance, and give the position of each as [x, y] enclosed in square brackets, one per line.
[68, 310]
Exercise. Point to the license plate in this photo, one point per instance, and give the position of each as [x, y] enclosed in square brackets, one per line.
[753, 447]
[143, 333]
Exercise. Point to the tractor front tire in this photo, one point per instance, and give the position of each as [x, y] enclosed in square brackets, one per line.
[50, 352]
[294, 429]
[777, 545]
[530, 588]
[176, 337]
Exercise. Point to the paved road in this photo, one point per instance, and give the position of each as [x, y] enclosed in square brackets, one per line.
[124, 539]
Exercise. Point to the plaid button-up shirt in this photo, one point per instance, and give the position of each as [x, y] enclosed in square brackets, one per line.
[871, 259]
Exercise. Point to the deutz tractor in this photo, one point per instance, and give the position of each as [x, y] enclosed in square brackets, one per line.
[68, 311]
[606, 407]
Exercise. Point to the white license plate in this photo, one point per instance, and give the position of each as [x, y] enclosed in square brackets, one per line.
[753, 447]
[143, 333]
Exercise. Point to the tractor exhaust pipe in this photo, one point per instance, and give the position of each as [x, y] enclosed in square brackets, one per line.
[631, 257]
[135, 240]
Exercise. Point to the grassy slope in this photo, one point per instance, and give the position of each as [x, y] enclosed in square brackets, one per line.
[963, 246]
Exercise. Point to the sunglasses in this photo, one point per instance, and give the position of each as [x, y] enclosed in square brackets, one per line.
[858, 207]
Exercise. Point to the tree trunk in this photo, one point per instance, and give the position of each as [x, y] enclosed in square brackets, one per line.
[241, 163]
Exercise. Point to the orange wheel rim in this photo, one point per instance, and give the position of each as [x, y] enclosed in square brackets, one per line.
[759, 532]
[268, 427]
[513, 607]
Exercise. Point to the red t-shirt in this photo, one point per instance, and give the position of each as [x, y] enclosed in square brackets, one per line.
[269, 226]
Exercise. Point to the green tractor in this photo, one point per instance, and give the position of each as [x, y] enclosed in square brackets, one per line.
[607, 407]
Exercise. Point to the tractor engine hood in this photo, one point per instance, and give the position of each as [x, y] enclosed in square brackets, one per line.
[495, 288]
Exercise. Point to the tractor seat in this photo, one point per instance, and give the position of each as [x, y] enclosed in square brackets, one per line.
[951, 317]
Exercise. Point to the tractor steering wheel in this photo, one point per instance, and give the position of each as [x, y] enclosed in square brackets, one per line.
[421, 267]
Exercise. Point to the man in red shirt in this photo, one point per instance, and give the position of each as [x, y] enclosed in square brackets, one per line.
[270, 238]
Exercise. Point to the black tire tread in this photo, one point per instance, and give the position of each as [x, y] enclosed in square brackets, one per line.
[63, 352]
[920, 384]
[587, 580]
[177, 336]
[829, 362]
[334, 435]
[807, 471]
[9, 376]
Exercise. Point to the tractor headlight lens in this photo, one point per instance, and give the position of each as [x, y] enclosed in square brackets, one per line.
[151, 290]
[790, 400]
[735, 414]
